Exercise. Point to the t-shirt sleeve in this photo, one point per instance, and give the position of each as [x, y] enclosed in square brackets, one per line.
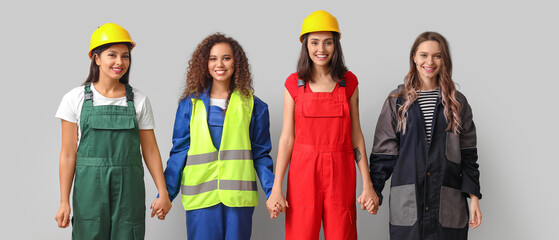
[292, 86]
[145, 117]
[351, 83]
[67, 110]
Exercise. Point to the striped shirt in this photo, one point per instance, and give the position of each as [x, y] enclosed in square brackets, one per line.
[427, 101]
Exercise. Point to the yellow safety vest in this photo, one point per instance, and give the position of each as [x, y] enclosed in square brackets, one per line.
[227, 175]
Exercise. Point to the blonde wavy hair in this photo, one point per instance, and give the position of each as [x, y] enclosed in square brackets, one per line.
[447, 87]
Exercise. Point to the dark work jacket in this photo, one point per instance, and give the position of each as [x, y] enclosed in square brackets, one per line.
[430, 182]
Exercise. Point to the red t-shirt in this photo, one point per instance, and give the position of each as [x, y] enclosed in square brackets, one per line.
[292, 86]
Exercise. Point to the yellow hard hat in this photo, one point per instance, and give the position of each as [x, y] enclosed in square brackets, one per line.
[319, 21]
[109, 33]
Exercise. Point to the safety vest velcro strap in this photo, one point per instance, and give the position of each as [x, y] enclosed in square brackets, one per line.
[223, 185]
[201, 158]
[237, 185]
[235, 155]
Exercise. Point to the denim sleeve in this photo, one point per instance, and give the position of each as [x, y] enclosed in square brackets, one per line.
[181, 144]
[262, 145]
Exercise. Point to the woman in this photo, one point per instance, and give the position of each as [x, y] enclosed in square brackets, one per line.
[104, 123]
[220, 139]
[426, 139]
[322, 140]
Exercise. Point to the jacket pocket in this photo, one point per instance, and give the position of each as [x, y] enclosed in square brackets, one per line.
[453, 147]
[112, 122]
[453, 212]
[403, 205]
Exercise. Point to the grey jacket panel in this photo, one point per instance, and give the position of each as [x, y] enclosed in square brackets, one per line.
[385, 140]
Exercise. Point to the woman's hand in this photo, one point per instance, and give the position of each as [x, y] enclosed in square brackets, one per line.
[276, 204]
[161, 206]
[63, 215]
[369, 200]
[475, 211]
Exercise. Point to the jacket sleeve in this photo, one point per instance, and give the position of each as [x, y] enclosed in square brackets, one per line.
[262, 145]
[385, 146]
[181, 144]
[468, 151]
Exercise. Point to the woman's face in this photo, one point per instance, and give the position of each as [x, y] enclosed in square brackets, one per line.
[321, 47]
[221, 63]
[113, 62]
[428, 60]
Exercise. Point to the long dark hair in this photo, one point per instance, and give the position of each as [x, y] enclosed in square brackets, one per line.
[94, 69]
[447, 87]
[336, 66]
[198, 76]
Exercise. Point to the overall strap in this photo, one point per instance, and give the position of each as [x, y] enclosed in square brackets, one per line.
[300, 83]
[130, 98]
[301, 87]
[129, 93]
[88, 96]
[342, 83]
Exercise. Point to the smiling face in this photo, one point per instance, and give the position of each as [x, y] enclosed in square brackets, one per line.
[428, 60]
[221, 63]
[321, 48]
[113, 62]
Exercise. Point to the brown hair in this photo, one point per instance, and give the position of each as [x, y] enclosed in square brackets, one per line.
[198, 77]
[94, 69]
[447, 87]
[336, 66]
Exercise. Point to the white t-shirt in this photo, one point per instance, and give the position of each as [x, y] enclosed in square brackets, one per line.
[70, 107]
[218, 102]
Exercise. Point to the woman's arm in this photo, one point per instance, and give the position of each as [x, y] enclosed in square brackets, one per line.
[67, 169]
[368, 199]
[475, 211]
[152, 158]
[261, 145]
[276, 202]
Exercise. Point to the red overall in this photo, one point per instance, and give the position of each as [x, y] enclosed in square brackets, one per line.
[321, 180]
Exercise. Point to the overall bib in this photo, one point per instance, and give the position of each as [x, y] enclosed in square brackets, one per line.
[109, 194]
[321, 178]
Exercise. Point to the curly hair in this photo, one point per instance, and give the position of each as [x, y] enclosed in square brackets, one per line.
[198, 77]
[447, 87]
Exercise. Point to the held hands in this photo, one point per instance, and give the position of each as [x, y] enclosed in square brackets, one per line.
[161, 206]
[63, 215]
[276, 204]
[369, 201]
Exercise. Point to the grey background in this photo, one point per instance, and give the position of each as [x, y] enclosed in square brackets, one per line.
[505, 58]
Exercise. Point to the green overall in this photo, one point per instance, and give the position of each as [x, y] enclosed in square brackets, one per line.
[109, 194]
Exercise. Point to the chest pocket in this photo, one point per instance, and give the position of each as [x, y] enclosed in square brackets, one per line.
[112, 122]
[326, 108]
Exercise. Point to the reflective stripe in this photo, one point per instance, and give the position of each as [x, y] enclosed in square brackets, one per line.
[223, 185]
[236, 155]
[201, 158]
[225, 155]
[200, 188]
[237, 185]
